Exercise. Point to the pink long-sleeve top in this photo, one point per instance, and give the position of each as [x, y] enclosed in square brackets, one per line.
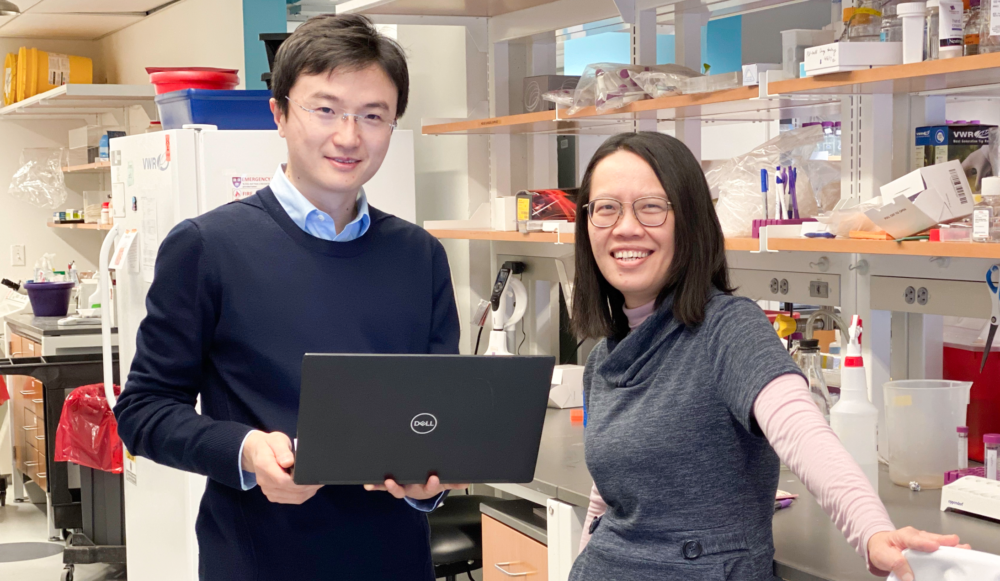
[799, 434]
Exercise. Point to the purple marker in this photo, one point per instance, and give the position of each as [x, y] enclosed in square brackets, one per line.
[780, 504]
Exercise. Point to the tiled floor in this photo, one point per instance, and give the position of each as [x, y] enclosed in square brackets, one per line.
[20, 523]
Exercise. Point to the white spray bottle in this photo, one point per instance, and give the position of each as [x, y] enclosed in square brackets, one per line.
[854, 419]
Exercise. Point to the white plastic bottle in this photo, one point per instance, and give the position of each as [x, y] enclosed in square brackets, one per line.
[854, 419]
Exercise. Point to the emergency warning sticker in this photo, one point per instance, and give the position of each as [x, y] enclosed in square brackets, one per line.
[242, 186]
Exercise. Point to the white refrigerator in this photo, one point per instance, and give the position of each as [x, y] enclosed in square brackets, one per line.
[158, 180]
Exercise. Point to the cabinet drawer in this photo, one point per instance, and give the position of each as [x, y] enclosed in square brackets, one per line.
[16, 347]
[31, 349]
[36, 401]
[508, 554]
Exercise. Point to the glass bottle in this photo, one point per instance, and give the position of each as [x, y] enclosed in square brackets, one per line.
[811, 363]
[931, 30]
[837, 139]
[986, 214]
[864, 22]
[973, 22]
[989, 29]
[892, 26]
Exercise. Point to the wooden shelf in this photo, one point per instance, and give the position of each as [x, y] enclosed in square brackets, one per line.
[495, 236]
[946, 76]
[835, 246]
[98, 167]
[739, 104]
[475, 8]
[80, 226]
[943, 249]
[73, 101]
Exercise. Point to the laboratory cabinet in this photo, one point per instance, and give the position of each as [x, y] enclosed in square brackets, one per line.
[28, 415]
[509, 553]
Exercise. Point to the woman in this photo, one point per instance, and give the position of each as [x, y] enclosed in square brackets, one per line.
[691, 398]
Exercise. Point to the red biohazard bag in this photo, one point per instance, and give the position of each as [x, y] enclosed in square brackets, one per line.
[88, 431]
[4, 396]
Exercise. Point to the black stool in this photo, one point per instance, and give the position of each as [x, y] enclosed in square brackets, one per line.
[457, 535]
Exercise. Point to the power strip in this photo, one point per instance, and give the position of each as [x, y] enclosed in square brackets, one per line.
[974, 495]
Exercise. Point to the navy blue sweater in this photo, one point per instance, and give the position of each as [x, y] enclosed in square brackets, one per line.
[240, 294]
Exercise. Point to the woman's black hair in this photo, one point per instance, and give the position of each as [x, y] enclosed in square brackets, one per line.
[699, 261]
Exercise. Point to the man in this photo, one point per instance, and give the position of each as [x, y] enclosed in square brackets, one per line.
[242, 292]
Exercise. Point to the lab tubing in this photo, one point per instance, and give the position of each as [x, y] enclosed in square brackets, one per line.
[105, 274]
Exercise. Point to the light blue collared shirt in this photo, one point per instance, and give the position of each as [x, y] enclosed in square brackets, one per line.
[313, 220]
[319, 224]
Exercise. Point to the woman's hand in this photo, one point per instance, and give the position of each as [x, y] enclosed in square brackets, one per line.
[885, 549]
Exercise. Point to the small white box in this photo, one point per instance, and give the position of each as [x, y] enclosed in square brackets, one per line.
[567, 387]
[752, 74]
[852, 56]
[924, 198]
[504, 213]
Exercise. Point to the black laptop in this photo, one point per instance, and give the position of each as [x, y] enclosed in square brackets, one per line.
[467, 419]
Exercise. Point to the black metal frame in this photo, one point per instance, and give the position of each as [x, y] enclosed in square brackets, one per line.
[100, 510]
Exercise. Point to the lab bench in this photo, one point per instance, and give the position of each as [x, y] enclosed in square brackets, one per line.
[36, 408]
[808, 546]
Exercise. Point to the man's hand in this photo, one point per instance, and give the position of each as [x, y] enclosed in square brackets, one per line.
[415, 491]
[270, 456]
[885, 550]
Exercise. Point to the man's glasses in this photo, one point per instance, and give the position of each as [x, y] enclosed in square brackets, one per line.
[605, 212]
[326, 117]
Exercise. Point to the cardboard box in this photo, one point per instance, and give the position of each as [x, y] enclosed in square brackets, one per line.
[943, 143]
[567, 387]
[534, 87]
[922, 199]
[504, 218]
[753, 74]
[852, 56]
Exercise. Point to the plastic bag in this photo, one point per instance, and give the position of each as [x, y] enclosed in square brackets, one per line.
[736, 183]
[4, 394]
[841, 222]
[611, 86]
[88, 431]
[43, 268]
[39, 181]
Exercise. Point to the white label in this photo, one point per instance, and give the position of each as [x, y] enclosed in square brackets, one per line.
[123, 250]
[243, 186]
[994, 17]
[129, 466]
[991, 464]
[981, 223]
[58, 69]
[150, 239]
[950, 24]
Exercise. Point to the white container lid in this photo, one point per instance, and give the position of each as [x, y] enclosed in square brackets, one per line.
[991, 186]
[911, 9]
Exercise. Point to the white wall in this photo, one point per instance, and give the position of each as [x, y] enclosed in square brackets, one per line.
[196, 33]
[21, 223]
[437, 57]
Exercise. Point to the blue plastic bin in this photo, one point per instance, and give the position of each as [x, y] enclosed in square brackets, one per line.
[224, 109]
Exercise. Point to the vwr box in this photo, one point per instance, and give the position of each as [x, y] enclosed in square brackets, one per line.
[969, 144]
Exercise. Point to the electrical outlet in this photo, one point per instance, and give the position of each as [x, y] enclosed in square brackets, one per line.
[784, 286]
[910, 295]
[923, 295]
[774, 286]
[17, 255]
[819, 289]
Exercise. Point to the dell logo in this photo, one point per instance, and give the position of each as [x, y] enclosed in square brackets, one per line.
[423, 423]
